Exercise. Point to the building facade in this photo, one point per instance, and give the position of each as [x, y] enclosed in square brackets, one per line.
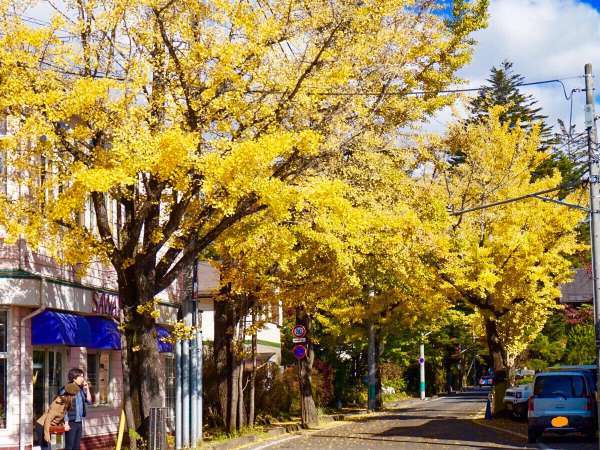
[52, 319]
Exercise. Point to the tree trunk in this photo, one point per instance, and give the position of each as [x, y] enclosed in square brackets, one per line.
[127, 401]
[308, 408]
[498, 355]
[140, 360]
[224, 361]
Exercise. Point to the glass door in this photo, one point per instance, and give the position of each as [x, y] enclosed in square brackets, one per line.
[47, 378]
[39, 379]
[54, 374]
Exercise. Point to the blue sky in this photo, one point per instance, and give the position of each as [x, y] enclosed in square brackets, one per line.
[594, 3]
[545, 39]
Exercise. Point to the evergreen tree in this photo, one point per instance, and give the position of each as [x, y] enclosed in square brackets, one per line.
[503, 89]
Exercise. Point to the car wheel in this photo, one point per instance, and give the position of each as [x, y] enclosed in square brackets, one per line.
[519, 411]
[532, 435]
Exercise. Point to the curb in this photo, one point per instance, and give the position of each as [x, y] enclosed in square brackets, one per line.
[245, 440]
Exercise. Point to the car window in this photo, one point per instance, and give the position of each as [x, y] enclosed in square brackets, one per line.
[560, 386]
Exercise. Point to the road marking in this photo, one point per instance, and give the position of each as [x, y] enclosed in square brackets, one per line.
[279, 441]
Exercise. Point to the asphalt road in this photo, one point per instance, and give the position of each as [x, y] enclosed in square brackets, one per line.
[442, 423]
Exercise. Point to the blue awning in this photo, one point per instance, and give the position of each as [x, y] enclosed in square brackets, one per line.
[163, 347]
[60, 328]
[105, 334]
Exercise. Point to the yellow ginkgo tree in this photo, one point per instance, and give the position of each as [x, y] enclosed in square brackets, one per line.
[176, 119]
[507, 261]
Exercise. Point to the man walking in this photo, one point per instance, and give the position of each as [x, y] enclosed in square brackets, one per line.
[74, 417]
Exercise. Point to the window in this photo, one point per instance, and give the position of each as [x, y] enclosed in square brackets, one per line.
[170, 386]
[567, 386]
[3, 367]
[99, 376]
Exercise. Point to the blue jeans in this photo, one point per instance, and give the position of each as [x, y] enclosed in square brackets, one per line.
[73, 436]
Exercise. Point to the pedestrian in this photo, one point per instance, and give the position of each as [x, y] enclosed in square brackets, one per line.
[74, 417]
[54, 417]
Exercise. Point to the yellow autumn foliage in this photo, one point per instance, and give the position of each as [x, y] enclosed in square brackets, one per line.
[508, 261]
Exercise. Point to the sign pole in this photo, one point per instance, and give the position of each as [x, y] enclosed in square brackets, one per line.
[422, 369]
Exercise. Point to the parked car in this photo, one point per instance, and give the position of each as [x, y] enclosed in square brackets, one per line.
[524, 372]
[515, 399]
[562, 402]
[486, 380]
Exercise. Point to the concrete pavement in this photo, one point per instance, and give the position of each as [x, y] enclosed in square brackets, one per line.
[443, 423]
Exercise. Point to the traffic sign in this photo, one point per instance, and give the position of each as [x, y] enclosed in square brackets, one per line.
[421, 360]
[299, 351]
[296, 340]
[299, 331]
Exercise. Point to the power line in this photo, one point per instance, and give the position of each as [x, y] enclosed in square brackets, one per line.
[409, 93]
[567, 186]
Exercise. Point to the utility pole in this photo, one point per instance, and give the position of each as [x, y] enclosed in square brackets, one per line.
[594, 169]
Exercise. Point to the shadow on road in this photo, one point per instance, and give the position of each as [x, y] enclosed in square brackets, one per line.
[448, 426]
[443, 424]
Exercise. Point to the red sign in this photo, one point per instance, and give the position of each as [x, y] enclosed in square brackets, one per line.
[106, 304]
[299, 331]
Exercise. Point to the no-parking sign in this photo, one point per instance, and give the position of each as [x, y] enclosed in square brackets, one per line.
[299, 351]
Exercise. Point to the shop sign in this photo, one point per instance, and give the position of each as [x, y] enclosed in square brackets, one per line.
[106, 304]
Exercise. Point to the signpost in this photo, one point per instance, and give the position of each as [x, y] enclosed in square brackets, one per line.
[299, 338]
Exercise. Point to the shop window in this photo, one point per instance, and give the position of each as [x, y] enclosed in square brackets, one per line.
[3, 366]
[99, 376]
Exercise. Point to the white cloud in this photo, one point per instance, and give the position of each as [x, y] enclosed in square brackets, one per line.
[545, 39]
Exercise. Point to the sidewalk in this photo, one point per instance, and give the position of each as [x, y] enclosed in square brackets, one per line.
[325, 421]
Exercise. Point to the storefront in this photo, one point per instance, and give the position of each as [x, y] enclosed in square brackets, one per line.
[48, 326]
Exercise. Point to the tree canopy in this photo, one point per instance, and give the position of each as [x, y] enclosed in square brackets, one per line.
[172, 121]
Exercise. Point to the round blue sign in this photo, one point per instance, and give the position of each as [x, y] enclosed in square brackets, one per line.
[299, 351]
[299, 331]
[421, 360]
